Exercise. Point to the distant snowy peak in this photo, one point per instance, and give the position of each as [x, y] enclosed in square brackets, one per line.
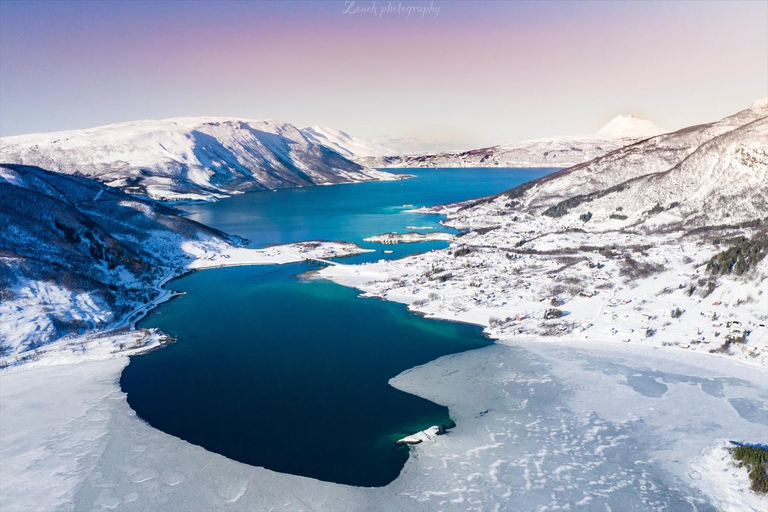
[190, 158]
[629, 127]
[349, 146]
[693, 177]
[760, 105]
[559, 151]
[555, 151]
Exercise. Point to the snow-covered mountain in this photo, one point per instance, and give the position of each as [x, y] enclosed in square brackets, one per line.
[723, 181]
[189, 158]
[557, 151]
[349, 146]
[663, 243]
[629, 127]
[706, 162]
[77, 255]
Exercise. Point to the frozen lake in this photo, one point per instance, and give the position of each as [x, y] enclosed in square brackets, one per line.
[265, 356]
[290, 374]
[544, 426]
[539, 426]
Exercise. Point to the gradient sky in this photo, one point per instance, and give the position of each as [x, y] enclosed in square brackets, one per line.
[475, 74]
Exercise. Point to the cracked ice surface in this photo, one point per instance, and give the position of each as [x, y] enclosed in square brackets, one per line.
[541, 427]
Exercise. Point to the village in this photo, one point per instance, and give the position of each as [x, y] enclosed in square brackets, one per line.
[534, 279]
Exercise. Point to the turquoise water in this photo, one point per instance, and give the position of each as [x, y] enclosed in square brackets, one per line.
[292, 374]
[356, 211]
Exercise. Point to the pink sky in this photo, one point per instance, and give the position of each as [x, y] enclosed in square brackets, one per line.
[474, 74]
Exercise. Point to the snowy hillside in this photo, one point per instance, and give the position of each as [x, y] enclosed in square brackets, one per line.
[662, 243]
[654, 155]
[77, 256]
[348, 146]
[558, 151]
[188, 158]
[724, 181]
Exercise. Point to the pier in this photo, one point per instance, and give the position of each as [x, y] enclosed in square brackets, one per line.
[320, 262]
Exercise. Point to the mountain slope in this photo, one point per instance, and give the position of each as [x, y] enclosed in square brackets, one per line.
[661, 244]
[348, 146]
[558, 151]
[77, 255]
[654, 155]
[723, 181]
[188, 158]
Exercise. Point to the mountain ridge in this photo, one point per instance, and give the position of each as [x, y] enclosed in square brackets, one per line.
[555, 151]
[189, 158]
[649, 156]
[349, 146]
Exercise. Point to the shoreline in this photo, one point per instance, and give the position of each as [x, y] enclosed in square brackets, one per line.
[94, 386]
[342, 276]
[124, 330]
[429, 384]
[214, 198]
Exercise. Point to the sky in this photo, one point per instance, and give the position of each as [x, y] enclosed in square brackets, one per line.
[453, 75]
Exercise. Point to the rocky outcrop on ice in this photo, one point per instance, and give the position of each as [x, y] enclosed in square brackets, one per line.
[428, 434]
[559, 151]
[349, 146]
[194, 158]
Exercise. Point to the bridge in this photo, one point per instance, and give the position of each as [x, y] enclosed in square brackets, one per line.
[320, 262]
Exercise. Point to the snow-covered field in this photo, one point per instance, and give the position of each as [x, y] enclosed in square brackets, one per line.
[510, 292]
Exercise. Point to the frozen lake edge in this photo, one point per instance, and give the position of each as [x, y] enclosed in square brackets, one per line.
[505, 449]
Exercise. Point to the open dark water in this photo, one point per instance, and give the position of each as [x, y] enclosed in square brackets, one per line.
[292, 374]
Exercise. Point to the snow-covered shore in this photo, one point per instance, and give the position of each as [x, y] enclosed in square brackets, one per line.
[511, 296]
[580, 424]
[119, 337]
[727, 484]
